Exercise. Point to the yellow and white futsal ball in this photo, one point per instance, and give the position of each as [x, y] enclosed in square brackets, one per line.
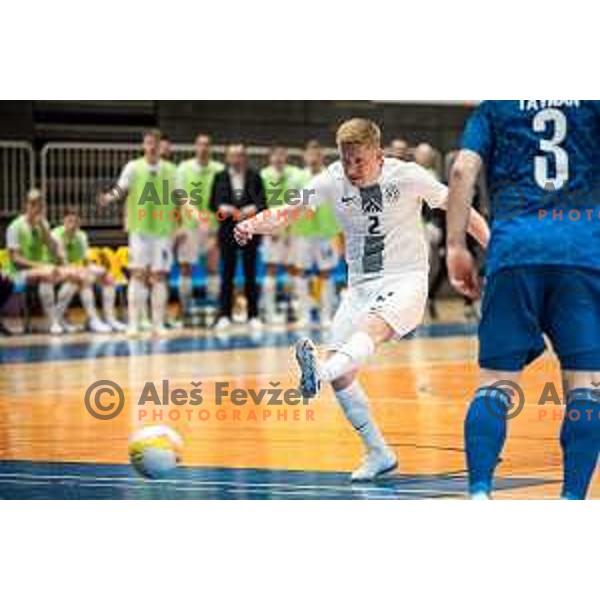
[154, 451]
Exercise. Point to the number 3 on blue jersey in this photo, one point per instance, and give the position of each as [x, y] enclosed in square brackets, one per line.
[555, 120]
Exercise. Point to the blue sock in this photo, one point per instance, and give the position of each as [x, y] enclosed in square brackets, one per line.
[485, 433]
[580, 441]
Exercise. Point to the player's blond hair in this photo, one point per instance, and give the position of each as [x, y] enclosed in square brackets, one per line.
[362, 132]
[33, 196]
[155, 133]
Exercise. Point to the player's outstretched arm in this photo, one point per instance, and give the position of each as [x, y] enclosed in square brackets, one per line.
[120, 189]
[459, 218]
[266, 222]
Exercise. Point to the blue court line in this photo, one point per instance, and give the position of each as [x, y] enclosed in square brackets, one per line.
[60, 349]
[43, 480]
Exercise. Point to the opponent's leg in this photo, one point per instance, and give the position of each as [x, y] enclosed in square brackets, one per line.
[580, 433]
[510, 337]
[485, 430]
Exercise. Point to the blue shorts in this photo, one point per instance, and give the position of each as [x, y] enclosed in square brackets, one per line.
[522, 303]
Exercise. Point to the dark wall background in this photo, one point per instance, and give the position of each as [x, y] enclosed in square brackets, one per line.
[293, 122]
[254, 122]
[16, 120]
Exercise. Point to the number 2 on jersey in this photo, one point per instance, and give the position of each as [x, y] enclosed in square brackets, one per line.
[557, 122]
[374, 225]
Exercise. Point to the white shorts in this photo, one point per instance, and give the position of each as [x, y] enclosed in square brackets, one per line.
[150, 251]
[400, 300]
[276, 250]
[308, 252]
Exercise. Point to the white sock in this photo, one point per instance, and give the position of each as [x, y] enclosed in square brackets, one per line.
[327, 293]
[301, 291]
[89, 302]
[159, 303]
[65, 295]
[46, 294]
[213, 286]
[185, 291]
[108, 302]
[269, 296]
[355, 351]
[135, 298]
[355, 404]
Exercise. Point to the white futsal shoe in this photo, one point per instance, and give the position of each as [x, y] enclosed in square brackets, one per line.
[69, 327]
[306, 357]
[116, 326]
[98, 326]
[255, 324]
[223, 324]
[375, 464]
[56, 328]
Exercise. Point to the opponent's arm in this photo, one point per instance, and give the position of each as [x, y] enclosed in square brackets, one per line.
[459, 218]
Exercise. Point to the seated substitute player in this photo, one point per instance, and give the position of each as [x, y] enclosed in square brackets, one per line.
[74, 247]
[197, 233]
[378, 204]
[313, 244]
[542, 161]
[30, 244]
[148, 183]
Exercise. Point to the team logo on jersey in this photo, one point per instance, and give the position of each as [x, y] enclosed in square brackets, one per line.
[372, 200]
[392, 193]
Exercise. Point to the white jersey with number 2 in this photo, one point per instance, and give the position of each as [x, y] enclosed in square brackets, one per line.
[382, 224]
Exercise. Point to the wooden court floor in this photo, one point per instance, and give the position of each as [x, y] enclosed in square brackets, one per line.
[51, 447]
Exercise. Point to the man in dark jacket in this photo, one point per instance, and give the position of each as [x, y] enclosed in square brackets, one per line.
[237, 193]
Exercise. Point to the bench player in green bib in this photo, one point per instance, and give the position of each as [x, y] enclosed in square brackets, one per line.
[196, 237]
[34, 258]
[74, 248]
[152, 217]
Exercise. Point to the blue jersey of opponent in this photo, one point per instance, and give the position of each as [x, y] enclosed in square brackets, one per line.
[542, 160]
